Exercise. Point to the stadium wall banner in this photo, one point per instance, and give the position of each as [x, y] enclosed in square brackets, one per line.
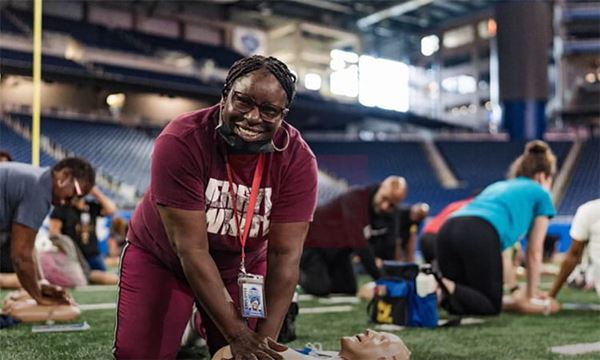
[111, 18]
[249, 41]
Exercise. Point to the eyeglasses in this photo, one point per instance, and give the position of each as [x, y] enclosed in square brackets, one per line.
[268, 112]
[78, 191]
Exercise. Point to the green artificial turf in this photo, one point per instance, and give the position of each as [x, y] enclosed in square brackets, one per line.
[503, 337]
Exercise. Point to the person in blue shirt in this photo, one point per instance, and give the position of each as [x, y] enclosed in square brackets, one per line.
[471, 241]
[26, 195]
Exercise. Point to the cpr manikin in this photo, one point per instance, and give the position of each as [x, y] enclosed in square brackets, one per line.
[370, 345]
[22, 307]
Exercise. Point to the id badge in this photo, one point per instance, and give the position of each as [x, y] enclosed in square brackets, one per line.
[252, 296]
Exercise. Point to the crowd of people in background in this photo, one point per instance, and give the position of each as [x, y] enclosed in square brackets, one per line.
[243, 168]
[473, 244]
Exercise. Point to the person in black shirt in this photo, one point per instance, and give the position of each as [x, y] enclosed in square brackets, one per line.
[393, 234]
[409, 219]
[78, 221]
[344, 227]
[383, 229]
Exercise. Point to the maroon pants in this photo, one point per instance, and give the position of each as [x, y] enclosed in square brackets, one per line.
[154, 306]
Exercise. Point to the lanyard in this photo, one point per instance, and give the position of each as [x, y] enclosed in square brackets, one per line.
[258, 170]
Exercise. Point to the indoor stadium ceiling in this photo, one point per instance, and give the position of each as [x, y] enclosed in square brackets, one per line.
[384, 18]
[378, 22]
[378, 17]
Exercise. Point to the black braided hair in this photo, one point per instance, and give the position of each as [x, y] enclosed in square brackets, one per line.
[276, 67]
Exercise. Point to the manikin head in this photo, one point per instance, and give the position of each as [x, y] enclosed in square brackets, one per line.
[372, 345]
[369, 345]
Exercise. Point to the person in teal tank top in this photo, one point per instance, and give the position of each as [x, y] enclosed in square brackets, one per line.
[471, 241]
[510, 206]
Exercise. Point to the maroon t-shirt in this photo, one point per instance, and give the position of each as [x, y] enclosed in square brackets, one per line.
[340, 223]
[188, 172]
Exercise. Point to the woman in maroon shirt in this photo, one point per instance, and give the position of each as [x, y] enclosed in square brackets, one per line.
[183, 239]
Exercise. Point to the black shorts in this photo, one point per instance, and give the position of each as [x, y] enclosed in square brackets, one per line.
[6, 265]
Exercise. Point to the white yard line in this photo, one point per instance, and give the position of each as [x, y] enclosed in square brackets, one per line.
[305, 297]
[573, 306]
[389, 327]
[339, 300]
[103, 306]
[92, 288]
[60, 327]
[576, 349]
[471, 321]
[463, 321]
[310, 310]
[326, 309]
[441, 322]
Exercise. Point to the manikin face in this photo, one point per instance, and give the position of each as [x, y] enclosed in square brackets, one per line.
[255, 106]
[372, 345]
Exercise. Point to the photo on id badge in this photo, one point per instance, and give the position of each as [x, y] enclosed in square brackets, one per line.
[253, 304]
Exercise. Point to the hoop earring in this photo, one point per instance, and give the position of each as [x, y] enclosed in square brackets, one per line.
[287, 143]
[220, 117]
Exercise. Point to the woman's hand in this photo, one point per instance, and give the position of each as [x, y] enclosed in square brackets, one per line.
[14, 305]
[53, 295]
[250, 345]
[537, 294]
[540, 294]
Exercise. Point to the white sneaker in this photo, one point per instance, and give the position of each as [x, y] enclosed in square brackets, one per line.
[190, 337]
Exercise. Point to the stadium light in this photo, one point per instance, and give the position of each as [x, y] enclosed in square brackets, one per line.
[347, 56]
[312, 81]
[343, 79]
[462, 84]
[492, 27]
[115, 101]
[488, 105]
[383, 83]
[344, 82]
[590, 77]
[429, 45]
[337, 64]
